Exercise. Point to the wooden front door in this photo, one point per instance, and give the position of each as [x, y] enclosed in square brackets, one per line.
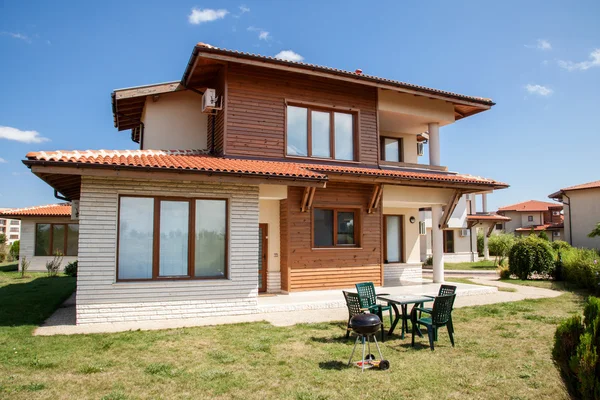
[263, 251]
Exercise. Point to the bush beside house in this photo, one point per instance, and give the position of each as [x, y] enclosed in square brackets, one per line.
[531, 255]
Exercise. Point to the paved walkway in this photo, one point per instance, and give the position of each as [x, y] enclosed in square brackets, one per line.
[63, 320]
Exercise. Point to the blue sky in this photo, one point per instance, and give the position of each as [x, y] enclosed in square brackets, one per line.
[539, 60]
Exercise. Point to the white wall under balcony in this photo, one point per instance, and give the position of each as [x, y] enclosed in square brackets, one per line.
[175, 122]
[414, 197]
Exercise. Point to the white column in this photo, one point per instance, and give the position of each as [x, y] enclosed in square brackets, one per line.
[438, 244]
[434, 143]
[486, 250]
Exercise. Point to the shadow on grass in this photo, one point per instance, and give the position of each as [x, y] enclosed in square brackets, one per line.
[31, 302]
[9, 267]
[334, 339]
[333, 365]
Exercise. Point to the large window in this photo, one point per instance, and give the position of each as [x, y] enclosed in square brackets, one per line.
[51, 239]
[320, 133]
[391, 149]
[335, 227]
[172, 238]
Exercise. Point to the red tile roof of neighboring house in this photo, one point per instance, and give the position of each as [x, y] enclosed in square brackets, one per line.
[49, 210]
[531, 205]
[199, 161]
[544, 227]
[487, 217]
[356, 74]
[589, 185]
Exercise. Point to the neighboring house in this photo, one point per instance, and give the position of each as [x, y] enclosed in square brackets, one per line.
[534, 216]
[460, 237]
[11, 228]
[582, 213]
[289, 177]
[46, 230]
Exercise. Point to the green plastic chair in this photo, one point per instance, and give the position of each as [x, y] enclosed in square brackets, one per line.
[368, 299]
[445, 290]
[353, 304]
[440, 316]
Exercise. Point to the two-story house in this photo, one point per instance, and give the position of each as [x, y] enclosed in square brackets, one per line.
[582, 213]
[533, 216]
[460, 235]
[11, 228]
[285, 176]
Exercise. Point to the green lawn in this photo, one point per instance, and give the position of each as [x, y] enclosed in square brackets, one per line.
[502, 351]
[477, 266]
[9, 266]
[468, 280]
[541, 283]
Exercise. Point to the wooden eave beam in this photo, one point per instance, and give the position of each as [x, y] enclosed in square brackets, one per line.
[450, 208]
[491, 229]
[307, 199]
[465, 188]
[121, 94]
[375, 198]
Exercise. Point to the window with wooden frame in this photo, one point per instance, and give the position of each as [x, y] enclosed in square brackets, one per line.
[177, 238]
[319, 132]
[51, 239]
[391, 149]
[530, 218]
[449, 241]
[336, 227]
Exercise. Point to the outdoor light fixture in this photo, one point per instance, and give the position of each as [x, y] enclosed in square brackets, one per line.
[412, 220]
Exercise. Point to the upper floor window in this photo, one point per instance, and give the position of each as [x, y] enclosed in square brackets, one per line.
[555, 212]
[2, 221]
[391, 149]
[530, 218]
[320, 133]
[14, 222]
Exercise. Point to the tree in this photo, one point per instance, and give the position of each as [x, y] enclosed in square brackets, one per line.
[595, 232]
[2, 239]
[543, 235]
[14, 250]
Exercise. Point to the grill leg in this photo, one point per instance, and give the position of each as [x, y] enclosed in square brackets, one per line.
[363, 357]
[353, 349]
[378, 349]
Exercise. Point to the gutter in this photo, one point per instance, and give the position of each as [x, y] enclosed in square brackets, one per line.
[570, 219]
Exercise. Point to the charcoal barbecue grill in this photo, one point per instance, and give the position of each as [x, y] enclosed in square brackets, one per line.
[366, 326]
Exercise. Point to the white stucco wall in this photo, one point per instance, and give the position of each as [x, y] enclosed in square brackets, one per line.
[174, 122]
[585, 214]
[411, 232]
[462, 247]
[101, 299]
[27, 243]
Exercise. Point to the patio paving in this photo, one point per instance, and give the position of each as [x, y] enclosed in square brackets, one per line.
[307, 307]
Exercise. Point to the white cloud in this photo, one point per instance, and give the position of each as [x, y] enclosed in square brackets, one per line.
[538, 89]
[16, 35]
[544, 44]
[262, 34]
[583, 65]
[244, 9]
[9, 133]
[3, 161]
[198, 16]
[289, 55]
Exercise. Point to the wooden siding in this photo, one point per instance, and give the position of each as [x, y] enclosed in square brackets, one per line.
[101, 299]
[314, 269]
[284, 244]
[255, 109]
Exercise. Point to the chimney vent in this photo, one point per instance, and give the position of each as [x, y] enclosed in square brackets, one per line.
[358, 71]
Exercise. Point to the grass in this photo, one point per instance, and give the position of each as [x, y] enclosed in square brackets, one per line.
[542, 283]
[502, 351]
[9, 266]
[476, 266]
[468, 281]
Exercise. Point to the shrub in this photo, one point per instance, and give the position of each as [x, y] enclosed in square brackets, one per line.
[504, 272]
[581, 267]
[480, 244]
[14, 250]
[53, 266]
[560, 245]
[2, 239]
[531, 255]
[543, 235]
[24, 266]
[500, 245]
[71, 269]
[577, 351]
[2, 256]
[429, 260]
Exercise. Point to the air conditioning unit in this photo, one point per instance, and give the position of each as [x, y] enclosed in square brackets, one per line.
[465, 232]
[422, 230]
[210, 101]
[556, 234]
[420, 148]
[75, 210]
[469, 197]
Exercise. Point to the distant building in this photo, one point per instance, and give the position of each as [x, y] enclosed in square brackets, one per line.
[11, 228]
[533, 216]
[582, 213]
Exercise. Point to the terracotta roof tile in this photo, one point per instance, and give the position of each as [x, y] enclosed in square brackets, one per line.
[487, 217]
[529, 206]
[49, 210]
[589, 185]
[209, 48]
[200, 161]
[543, 227]
[177, 159]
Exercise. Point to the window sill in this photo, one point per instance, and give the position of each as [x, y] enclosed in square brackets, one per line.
[345, 248]
[306, 158]
[169, 281]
